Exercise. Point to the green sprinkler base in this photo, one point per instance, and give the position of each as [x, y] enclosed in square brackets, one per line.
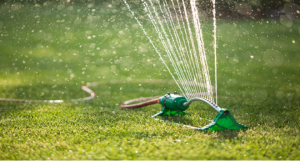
[175, 105]
[168, 112]
[224, 121]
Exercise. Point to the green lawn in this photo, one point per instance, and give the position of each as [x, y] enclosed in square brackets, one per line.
[49, 51]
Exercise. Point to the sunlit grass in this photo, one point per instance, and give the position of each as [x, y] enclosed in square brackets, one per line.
[55, 63]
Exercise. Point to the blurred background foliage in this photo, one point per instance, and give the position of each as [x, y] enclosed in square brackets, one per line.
[233, 9]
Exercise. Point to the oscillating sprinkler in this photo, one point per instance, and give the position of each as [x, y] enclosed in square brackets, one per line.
[175, 105]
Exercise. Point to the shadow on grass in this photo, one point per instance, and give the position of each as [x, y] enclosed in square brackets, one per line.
[178, 120]
[228, 134]
[224, 134]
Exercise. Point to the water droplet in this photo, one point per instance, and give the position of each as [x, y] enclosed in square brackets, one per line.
[16, 6]
[279, 94]
[291, 10]
[284, 20]
[273, 58]
[90, 5]
[70, 8]
[243, 8]
[60, 7]
[77, 21]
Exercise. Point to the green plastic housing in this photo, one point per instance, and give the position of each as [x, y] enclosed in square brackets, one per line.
[172, 105]
[174, 102]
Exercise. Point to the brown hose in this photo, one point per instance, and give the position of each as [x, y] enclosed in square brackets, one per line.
[126, 104]
[153, 100]
[84, 88]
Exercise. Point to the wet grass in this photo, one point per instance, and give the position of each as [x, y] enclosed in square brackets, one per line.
[43, 57]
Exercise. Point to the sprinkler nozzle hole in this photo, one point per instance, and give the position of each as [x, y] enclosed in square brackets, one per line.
[226, 112]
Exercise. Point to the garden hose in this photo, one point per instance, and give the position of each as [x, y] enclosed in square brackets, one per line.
[92, 94]
[154, 100]
[172, 105]
[85, 88]
[148, 101]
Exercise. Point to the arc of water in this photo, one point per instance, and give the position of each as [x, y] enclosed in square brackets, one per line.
[177, 57]
[170, 51]
[187, 56]
[178, 41]
[156, 50]
[192, 83]
[201, 49]
[215, 47]
[186, 39]
[198, 74]
[180, 53]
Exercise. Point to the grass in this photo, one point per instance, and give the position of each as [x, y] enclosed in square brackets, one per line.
[46, 54]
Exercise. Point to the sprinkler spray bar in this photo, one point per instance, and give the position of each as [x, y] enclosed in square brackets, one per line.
[216, 107]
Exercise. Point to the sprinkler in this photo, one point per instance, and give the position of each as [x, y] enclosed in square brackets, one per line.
[175, 105]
